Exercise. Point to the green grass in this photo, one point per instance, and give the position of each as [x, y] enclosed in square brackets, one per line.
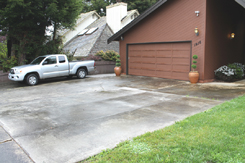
[216, 135]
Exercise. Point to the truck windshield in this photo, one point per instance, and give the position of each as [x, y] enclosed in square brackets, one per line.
[37, 61]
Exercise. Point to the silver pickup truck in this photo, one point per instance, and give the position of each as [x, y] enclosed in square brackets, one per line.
[49, 66]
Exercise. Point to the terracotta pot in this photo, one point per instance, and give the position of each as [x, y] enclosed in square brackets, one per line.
[193, 77]
[118, 71]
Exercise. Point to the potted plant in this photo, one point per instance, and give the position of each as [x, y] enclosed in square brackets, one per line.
[194, 75]
[118, 68]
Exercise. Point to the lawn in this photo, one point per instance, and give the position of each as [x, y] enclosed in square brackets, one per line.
[216, 135]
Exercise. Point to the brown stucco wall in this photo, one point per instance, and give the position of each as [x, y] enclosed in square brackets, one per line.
[173, 21]
[223, 18]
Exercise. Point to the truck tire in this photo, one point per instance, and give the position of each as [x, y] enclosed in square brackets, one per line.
[81, 73]
[32, 79]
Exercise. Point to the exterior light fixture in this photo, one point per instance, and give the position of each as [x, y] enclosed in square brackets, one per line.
[232, 36]
[196, 31]
[197, 12]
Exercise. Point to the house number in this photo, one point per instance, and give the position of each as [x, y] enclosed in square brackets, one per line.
[198, 43]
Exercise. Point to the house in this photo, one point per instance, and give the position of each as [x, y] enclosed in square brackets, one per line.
[84, 20]
[89, 38]
[163, 39]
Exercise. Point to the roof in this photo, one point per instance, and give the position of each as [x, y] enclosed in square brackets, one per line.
[117, 35]
[83, 44]
[129, 13]
[81, 18]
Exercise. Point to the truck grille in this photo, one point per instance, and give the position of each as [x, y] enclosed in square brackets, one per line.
[12, 71]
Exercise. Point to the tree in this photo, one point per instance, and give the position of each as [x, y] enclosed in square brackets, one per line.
[140, 5]
[25, 22]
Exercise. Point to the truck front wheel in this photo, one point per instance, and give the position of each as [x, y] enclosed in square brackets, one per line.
[81, 73]
[32, 79]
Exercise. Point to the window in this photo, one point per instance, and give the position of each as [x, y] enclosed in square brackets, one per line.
[50, 60]
[83, 32]
[91, 31]
[62, 59]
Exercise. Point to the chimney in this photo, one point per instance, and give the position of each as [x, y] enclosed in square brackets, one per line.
[114, 15]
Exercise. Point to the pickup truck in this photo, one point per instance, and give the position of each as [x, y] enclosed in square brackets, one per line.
[50, 66]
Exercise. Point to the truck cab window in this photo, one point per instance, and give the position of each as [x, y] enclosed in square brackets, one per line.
[50, 60]
[62, 59]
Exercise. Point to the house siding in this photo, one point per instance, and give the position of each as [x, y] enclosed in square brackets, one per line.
[172, 22]
[222, 20]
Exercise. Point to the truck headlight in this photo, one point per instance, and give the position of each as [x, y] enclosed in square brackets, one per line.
[18, 71]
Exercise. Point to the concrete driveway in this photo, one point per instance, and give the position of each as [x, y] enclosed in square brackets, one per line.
[70, 120]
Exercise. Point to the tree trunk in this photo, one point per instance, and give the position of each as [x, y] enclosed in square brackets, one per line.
[55, 31]
[9, 47]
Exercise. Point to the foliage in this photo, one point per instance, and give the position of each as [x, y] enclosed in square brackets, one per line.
[239, 69]
[194, 66]
[3, 50]
[8, 63]
[140, 5]
[216, 135]
[230, 72]
[25, 23]
[109, 55]
[118, 61]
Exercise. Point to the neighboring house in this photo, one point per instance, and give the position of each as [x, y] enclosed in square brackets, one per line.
[91, 38]
[161, 41]
[84, 20]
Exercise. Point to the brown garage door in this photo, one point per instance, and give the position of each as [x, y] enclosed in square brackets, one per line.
[165, 60]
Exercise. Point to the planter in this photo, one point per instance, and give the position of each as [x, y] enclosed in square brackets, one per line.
[193, 77]
[118, 71]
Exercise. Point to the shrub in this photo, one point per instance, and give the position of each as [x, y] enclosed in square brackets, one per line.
[109, 55]
[118, 61]
[3, 49]
[194, 62]
[8, 63]
[230, 72]
[239, 69]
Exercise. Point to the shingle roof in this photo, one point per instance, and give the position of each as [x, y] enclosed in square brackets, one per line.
[129, 13]
[83, 44]
[82, 17]
[117, 35]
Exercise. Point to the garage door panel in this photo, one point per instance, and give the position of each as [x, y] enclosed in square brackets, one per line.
[151, 73]
[181, 61]
[148, 53]
[148, 60]
[148, 66]
[181, 75]
[164, 74]
[181, 53]
[164, 53]
[181, 68]
[166, 60]
[135, 53]
[134, 60]
[164, 67]
[135, 66]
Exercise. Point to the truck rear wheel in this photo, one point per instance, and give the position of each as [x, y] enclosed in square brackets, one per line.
[81, 73]
[32, 79]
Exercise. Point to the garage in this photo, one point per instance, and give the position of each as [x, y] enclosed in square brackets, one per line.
[164, 60]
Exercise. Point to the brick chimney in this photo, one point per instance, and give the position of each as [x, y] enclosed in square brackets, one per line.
[114, 15]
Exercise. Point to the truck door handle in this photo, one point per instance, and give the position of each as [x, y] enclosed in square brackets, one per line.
[56, 66]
